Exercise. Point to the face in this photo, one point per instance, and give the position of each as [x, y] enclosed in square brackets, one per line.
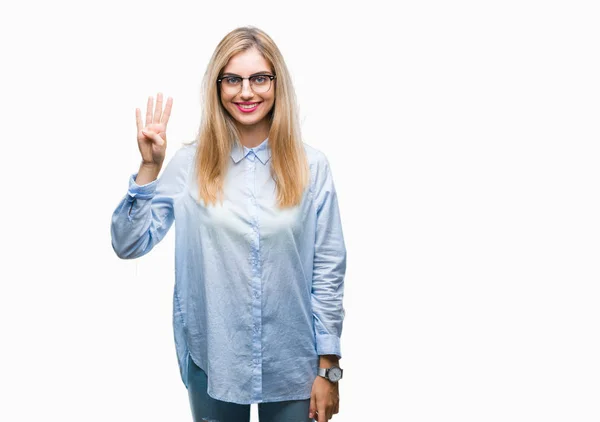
[247, 107]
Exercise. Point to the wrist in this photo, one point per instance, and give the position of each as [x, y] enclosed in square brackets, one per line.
[147, 173]
[327, 361]
[333, 373]
[150, 166]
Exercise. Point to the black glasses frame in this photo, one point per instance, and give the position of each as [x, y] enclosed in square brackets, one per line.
[250, 77]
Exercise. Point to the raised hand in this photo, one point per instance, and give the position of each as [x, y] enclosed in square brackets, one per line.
[152, 138]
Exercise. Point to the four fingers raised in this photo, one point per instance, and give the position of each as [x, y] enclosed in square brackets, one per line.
[159, 116]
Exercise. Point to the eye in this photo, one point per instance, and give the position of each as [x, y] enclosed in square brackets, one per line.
[232, 80]
[259, 79]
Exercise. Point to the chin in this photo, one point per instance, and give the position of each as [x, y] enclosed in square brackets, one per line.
[248, 120]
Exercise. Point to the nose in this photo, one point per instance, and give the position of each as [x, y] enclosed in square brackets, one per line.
[246, 90]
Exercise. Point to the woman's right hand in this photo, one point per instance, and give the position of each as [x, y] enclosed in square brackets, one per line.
[152, 138]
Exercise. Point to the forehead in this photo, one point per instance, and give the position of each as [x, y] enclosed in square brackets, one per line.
[247, 62]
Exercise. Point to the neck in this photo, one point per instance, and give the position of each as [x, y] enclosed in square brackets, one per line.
[252, 136]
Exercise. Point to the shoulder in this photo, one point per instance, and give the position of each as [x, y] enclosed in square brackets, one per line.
[178, 165]
[314, 155]
[187, 149]
[318, 163]
[184, 154]
[319, 166]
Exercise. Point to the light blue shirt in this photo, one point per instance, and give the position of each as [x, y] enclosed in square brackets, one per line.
[258, 289]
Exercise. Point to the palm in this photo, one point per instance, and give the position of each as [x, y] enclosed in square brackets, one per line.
[151, 152]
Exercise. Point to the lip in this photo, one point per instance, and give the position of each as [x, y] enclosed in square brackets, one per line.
[243, 110]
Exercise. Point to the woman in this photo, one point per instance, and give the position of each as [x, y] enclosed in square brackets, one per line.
[260, 256]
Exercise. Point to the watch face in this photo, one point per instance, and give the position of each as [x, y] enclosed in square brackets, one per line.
[335, 374]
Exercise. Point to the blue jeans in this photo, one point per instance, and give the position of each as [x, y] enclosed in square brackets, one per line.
[205, 408]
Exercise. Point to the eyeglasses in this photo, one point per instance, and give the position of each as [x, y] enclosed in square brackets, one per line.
[232, 84]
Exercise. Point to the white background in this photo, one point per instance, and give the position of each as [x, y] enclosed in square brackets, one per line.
[463, 139]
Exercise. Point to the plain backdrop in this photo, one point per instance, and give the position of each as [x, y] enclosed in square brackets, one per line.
[463, 140]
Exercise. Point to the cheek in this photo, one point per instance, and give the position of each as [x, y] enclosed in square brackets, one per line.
[225, 99]
[271, 104]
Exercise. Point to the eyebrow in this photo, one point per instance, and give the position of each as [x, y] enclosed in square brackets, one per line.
[264, 72]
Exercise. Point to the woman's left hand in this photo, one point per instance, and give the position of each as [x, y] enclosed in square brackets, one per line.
[324, 399]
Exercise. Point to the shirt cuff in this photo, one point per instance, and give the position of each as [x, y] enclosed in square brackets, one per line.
[146, 191]
[328, 344]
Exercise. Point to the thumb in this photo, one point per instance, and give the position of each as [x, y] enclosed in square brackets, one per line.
[154, 136]
[313, 406]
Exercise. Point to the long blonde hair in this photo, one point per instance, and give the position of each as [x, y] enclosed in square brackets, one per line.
[218, 132]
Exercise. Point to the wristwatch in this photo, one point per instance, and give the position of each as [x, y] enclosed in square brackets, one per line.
[333, 374]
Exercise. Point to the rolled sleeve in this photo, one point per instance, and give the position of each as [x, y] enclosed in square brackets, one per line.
[145, 214]
[146, 191]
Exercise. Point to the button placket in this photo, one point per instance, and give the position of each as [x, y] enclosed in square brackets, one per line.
[255, 282]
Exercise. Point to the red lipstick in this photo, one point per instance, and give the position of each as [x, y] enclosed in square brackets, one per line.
[247, 110]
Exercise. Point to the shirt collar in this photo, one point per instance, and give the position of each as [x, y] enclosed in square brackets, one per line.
[262, 151]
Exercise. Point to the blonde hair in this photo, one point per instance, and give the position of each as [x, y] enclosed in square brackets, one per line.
[218, 132]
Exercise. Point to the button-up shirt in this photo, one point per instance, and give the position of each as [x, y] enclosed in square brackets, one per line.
[258, 289]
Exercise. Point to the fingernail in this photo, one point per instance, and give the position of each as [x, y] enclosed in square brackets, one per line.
[310, 415]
